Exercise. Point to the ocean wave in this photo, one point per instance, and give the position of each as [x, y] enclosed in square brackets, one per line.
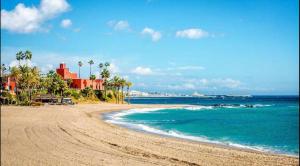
[120, 114]
[176, 134]
[198, 107]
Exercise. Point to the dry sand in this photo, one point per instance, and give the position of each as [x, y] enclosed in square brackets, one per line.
[76, 135]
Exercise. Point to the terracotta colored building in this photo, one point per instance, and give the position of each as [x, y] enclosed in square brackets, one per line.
[10, 84]
[78, 83]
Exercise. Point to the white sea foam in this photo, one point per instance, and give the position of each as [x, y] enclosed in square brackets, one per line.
[120, 114]
[200, 107]
[262, 105]
[229, 106]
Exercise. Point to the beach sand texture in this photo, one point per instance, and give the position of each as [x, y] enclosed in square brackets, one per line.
[76, 135]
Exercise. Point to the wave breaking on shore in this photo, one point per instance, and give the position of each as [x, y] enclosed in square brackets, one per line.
[117, 118]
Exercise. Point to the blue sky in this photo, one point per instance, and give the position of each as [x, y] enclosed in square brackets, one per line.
[208, 46]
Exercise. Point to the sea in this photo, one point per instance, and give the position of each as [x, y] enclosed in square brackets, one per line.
[263, 123]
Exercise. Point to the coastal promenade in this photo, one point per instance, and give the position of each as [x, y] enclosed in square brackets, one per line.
[77, 135]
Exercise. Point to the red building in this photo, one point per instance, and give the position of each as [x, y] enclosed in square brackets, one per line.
[78, 83]
[10, 84]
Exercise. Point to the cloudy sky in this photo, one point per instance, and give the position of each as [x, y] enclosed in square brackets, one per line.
[208, 46]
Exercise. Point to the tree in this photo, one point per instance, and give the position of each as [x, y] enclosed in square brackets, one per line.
[128, 84]
[105, 74]
[27, 56]
[116, 85]
[79, 65]
[19, 57]
[55, 83]
[92, 77]
[100, 69]
[27, 81]
[69, 82]
[91, 62]
[3, 70]
[106, 64]
[27, 78]
[122, 83]
[15, 73]
[3, 76]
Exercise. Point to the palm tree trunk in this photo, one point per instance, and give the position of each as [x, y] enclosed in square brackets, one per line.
[79, 71]
[122, 95]
[104, 87]
[118, 94]
[128, 95]
[90, 70]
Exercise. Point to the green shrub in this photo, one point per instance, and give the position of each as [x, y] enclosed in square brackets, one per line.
[110, 96]
[67, 93]
[24, 98]
[87, 92]
[75, 93]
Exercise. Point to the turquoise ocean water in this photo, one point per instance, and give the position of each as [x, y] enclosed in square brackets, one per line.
[264, 123]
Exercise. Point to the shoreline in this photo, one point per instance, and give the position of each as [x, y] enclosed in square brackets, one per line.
[68, 135]
[205, 141]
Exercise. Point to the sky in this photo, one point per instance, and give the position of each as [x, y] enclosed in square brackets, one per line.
[185, 46]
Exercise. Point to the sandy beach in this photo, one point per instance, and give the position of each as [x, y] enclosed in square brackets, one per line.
[76, 135]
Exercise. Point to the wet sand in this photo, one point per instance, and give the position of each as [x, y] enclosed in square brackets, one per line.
[77, 135]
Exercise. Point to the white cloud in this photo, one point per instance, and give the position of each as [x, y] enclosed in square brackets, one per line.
[155, 35]
[119, 25]
[24, 19]
[193, 33]
[65, 23]
[113, 68]
[16, 63]
[142, 71]
[51, 8]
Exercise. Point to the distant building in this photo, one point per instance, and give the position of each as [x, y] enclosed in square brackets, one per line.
[78, 83]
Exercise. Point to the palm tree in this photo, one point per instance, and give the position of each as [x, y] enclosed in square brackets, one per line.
[91, 62]
[105, 74]
[34, 81]
[92, 77]
[79, 65]
[116, 85]
[106, 64]
[15, 73]
[122, 84]
[128, 84]
[100, 69]
[27, 56]
[19, 56]
[3, 69]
